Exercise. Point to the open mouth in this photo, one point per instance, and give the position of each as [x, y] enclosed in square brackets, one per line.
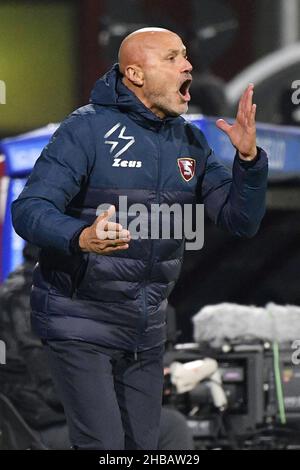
[184, 90]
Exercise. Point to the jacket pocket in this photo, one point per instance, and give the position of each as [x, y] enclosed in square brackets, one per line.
[100, 283]
[80, 277]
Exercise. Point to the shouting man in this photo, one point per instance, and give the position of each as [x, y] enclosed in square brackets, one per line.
[100, 294]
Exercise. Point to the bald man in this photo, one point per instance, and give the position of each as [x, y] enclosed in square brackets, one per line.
[100, 289]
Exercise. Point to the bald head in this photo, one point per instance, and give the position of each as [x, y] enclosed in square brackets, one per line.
[136, 48]
[155, 68]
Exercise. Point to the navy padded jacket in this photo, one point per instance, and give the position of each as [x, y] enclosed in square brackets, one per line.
[116, 146]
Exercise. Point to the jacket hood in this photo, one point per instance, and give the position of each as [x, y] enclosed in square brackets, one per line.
[109, 90]
[104, 91]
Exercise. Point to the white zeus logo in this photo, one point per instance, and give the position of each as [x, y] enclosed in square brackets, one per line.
[296, 94]
[115, 143]
[2, 92]
[2, 352]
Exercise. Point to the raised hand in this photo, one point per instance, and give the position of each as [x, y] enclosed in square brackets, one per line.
[242, 132]
[104, 237]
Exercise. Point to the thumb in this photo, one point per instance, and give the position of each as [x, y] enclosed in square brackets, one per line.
[102, 222]
[223, 125]
[102, 219]
[105, 215]
[110, 212]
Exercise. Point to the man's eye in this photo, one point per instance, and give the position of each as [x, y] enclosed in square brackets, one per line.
[171, 57]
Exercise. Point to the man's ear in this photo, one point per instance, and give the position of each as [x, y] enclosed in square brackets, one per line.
[134, 74]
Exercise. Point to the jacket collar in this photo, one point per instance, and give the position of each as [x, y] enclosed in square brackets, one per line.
[110, 91]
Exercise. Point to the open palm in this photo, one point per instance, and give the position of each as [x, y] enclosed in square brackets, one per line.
[242, 133]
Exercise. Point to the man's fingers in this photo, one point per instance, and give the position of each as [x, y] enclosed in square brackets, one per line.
[104, 236]
[122, 235]
[248, 106]
[103, 248]
[112, 234]
[245, 104]
[241, 107]
[111, 226]
[252, 115]
[110, 230]
[242, 101]
[239, 115]
[247, 101]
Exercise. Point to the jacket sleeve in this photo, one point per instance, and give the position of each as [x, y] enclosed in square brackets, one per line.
[235, 201]
[60, 172]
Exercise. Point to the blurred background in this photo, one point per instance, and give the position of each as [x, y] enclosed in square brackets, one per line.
[52, 52]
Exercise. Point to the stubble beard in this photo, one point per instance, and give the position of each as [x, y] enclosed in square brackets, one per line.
[163, 105]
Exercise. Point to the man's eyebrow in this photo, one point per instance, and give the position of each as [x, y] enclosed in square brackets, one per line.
[177, 51]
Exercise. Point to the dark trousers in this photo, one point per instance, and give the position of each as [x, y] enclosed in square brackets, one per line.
[112, 400]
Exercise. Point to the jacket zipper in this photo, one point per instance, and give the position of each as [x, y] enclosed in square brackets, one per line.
[144, 319]
[157, 192]
[159, 165]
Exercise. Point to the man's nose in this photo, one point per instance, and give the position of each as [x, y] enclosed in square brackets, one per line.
[187, 66]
